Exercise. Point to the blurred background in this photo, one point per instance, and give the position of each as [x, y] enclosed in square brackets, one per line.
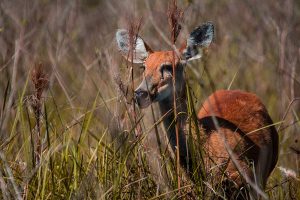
[256, 48]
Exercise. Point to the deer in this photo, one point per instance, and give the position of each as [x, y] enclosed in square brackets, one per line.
[238, 132]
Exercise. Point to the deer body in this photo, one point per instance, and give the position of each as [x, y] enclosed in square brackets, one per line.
[236, 124]
[245, 124]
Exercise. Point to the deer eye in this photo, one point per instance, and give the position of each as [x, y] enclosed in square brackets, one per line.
[166, 70]
[142, 68]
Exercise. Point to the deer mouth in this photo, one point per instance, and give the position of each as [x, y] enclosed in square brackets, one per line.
[144, 98]
[143, 103]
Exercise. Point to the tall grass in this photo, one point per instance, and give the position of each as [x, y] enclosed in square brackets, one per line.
[77, 137]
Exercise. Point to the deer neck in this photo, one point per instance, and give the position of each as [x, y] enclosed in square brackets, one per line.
[167, 111]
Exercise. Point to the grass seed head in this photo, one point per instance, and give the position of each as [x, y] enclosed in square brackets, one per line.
[39, 80]
[175, 16]
[133, 27]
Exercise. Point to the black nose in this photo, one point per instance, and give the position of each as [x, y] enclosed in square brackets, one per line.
[141, 94]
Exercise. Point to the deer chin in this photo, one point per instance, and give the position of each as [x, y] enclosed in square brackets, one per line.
[161, 94]
[143, 103]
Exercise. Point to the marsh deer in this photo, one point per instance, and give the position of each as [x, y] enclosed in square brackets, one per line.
[238, 132]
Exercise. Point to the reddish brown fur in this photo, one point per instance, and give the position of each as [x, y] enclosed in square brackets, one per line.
[247, 118]
[156, 59]
[242, 109]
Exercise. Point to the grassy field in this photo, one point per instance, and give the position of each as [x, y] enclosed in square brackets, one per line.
[68, 126]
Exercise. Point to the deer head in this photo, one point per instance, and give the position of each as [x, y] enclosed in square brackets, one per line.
[158, 74]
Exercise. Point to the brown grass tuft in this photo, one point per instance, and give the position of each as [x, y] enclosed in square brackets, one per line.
[133, 27]
[40, 82]
[175, 16]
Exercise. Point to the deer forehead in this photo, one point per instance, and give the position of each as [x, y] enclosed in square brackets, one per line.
[156, 59]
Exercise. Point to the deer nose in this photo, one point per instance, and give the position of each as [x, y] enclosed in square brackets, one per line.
[141, 94]
[142, 98]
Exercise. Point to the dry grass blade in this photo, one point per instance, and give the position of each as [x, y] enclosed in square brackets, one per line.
[174, 16]
[133, 27]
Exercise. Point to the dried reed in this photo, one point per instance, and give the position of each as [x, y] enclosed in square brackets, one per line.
[40, 82]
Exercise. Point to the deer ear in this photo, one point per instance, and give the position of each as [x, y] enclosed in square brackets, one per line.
[199, 38]
[140, 49]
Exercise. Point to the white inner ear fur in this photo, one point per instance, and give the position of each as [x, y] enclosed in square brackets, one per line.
[139, 50]
[198, 56]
